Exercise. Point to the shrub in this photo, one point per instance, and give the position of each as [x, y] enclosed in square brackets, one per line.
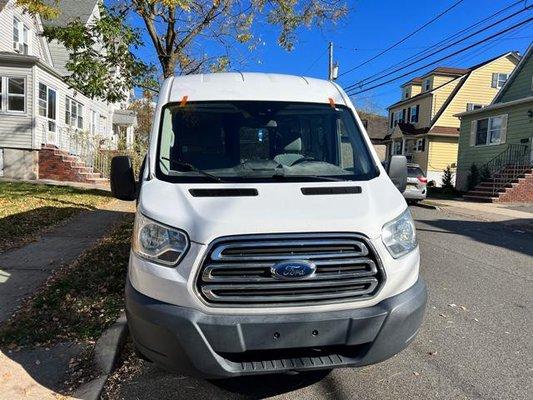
[447, 180]
[473, 177]
[484, 174]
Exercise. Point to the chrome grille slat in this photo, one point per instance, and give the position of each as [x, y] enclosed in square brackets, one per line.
[218, 253]
[290, 284]
[260, 272]
[237, 270]
[292, 297]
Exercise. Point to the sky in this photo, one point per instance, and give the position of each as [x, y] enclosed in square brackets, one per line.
[372, 26]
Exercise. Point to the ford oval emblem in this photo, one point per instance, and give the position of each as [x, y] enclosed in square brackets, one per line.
[293, 270]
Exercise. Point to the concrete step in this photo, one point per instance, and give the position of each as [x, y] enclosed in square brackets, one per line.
[90, 175]
[491, 184]
[480, 199]
[98, 180]
[484, 193]
[485, 189]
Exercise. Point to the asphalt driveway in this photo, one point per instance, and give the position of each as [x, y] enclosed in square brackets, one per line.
[476, 342]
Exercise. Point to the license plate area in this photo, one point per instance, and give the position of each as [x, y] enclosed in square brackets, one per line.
[295, 335]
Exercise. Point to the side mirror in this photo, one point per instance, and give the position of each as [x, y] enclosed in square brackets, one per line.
[397, 170]
[123, 178]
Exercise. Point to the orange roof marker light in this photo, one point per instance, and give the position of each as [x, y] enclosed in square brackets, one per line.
[331, 102]
[184, 100]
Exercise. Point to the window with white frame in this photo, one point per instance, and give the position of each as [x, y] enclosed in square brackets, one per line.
[420, 145]
[427, 84]
[48, 105]
[12, 94]
[21, 37]
[489, 130]
[94, 122]
[103, 126]
[73, 113]
[397, 148]
[397, 117]
[499, 79]
[473, 106]
[414, 114]
[406, 93]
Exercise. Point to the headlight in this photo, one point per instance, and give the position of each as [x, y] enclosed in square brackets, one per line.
[157, 242]
[399, 235]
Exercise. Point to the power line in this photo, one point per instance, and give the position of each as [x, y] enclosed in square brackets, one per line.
[366, 81]
[444, 41]
[404, 39]
[442, 58]
[314, 62]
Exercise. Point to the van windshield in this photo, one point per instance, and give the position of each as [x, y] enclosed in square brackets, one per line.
[233, 141]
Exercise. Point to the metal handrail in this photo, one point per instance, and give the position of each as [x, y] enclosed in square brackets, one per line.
[508, 165]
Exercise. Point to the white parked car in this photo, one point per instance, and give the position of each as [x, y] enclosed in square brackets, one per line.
[416, 188]
[268, 236]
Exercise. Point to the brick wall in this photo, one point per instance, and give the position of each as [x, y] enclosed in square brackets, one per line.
[523, 192]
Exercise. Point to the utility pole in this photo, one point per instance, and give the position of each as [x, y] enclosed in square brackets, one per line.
[330, 62]
[333, 68]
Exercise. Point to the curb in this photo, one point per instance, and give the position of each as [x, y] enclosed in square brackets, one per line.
[106, 353]
[430, 206]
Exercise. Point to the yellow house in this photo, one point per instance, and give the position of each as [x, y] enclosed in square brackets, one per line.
[422, 125]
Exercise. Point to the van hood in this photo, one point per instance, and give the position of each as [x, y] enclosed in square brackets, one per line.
[277, 208]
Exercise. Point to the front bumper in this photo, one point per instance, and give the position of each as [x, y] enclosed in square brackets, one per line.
[216, 346]
[415, 194]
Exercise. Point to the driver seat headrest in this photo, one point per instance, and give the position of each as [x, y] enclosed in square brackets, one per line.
[294, 147]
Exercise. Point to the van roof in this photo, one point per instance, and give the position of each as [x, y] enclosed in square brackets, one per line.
[254, 86]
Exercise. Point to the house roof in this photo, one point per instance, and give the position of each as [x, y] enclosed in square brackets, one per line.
[448, 71]
[444, 131]
[414, 81]
[457, 76]
[497, 106]
[409, 129]
[125, 118]
[376, 125]
[71, 10]
[514, 74]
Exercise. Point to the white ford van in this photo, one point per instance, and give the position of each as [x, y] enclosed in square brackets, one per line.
[268, 236]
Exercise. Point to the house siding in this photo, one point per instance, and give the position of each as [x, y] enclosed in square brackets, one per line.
[63, 91]
[6, 29]
[522, 85]
[16, 129]
[519, 126]
[476, 89]
[442, 153]
[441, 95]
[424, 116]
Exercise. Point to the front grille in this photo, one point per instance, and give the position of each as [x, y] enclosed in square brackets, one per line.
[237, 270]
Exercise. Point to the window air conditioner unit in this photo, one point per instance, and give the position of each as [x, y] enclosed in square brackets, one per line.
[19, 47]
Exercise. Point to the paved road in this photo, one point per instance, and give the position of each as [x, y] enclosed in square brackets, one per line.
[477, 340]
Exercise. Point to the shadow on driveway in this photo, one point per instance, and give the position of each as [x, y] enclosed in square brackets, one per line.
[23, 271]
[505, 235]
[151, 382]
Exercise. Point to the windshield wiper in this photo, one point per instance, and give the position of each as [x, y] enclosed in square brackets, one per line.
[186, 167]
[317, 177]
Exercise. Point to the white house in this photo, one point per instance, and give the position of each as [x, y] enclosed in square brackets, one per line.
[41, 118]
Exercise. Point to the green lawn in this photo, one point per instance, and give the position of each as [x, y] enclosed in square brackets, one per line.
[80, 300]
[26, 209]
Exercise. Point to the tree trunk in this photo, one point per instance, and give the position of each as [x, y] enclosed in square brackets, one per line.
[169, 66]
